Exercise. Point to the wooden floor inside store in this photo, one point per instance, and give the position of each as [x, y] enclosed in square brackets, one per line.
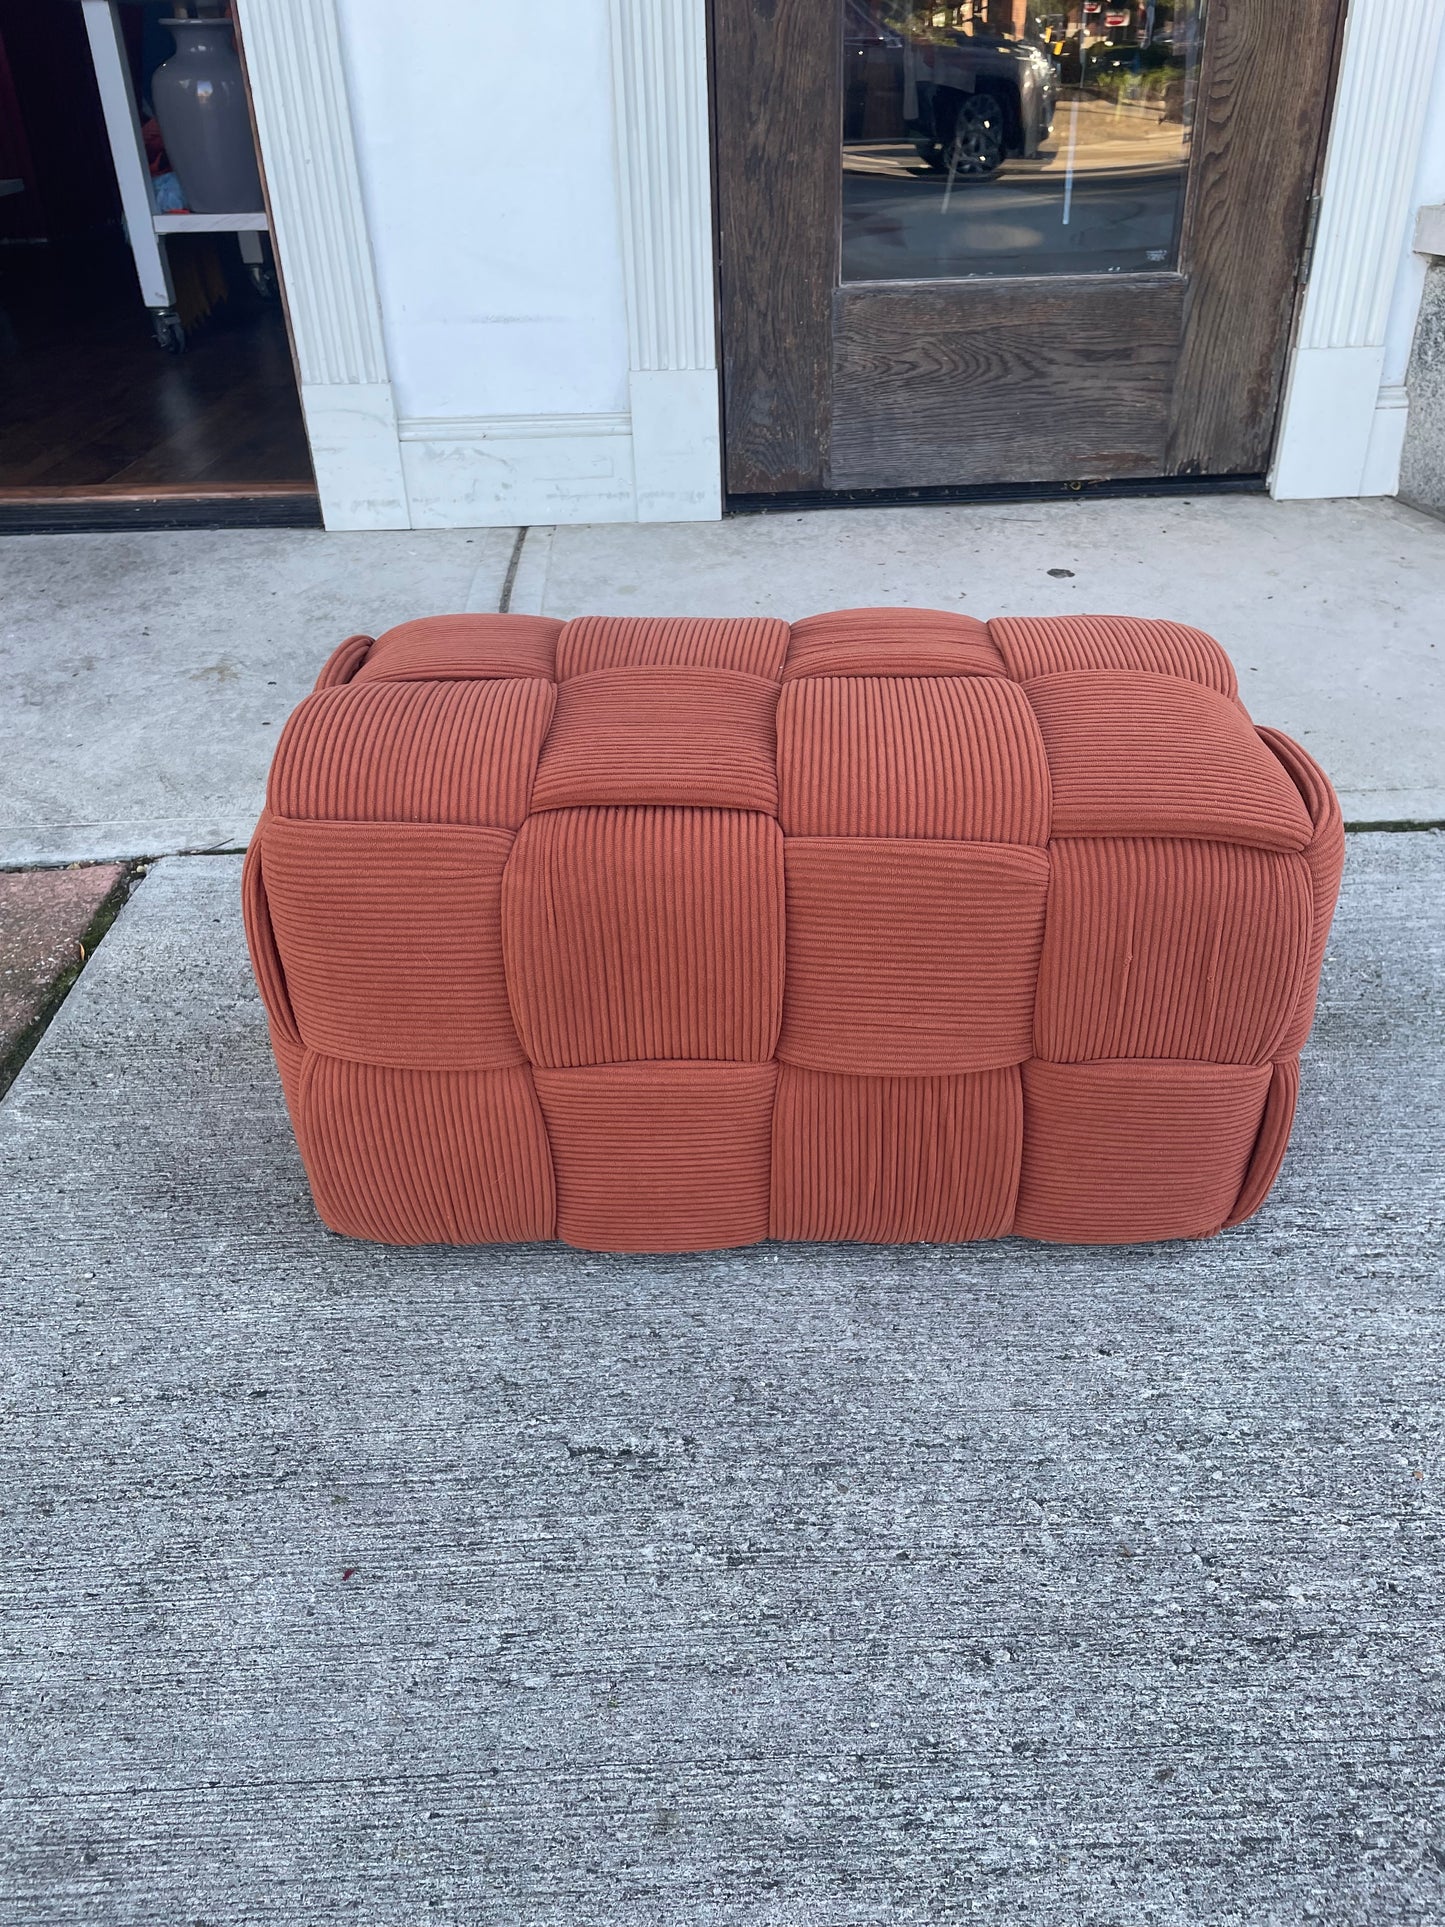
[88, 399]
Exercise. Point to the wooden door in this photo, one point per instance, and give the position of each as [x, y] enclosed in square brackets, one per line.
[983, 244]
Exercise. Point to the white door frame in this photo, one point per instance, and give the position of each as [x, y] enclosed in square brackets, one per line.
[1342, 425]
[318, 228]
[659, 82]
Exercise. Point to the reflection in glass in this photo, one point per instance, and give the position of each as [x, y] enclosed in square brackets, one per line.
[993, 137]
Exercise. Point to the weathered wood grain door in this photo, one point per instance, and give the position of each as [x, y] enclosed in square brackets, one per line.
[983, 243]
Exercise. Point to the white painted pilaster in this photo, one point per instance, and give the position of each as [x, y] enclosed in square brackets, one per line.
[659, 80]
[1332, 439]
[298, 92]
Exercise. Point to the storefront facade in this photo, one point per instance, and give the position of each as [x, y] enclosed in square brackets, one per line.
[597, 279]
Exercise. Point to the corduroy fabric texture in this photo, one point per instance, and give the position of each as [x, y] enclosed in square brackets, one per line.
[663, 935]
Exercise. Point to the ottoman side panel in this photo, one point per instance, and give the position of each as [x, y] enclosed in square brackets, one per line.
[1324, 856]
[1272, 1142]
[266, 965]
[343, 662]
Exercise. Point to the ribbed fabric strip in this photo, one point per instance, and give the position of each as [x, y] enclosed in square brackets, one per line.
[700, 737]
[1325, 857]
[1123, 1152]
[660, 1157]
[911, 958]
[261, 941]
[1045, 645]
[891, 642]
[924, 756]
[1160, 948]
[754, 645]
[290, 1056]
[645, 933]
[1272, 1142]
[390, 934]
[1141, 755]
[895, 1159]
[443, 648]
[443, 752]
[426, 1157]
[343, 662]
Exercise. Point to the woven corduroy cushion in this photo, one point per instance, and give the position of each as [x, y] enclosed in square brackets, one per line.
[659, 935]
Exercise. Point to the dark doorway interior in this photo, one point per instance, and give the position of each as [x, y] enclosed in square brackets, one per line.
[90, 404]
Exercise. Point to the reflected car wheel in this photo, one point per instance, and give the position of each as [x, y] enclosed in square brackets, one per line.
[975, 147]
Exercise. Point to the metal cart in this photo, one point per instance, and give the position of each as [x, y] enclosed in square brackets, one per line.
[147, 230]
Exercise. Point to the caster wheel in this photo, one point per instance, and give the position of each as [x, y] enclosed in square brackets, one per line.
[169, 333]
[263, 280]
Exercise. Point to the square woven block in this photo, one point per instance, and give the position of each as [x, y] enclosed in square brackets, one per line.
[1125, 1151]
[645, 933]
[659, 1156]
[911, 957]
[751, 645]
[415, 752]
[425, 1157]
[1161, 948]
[892, 642]
[649, 734]
[894, 1160]
[1133, 754]
[392, 939]
[955, 757]
[450, 648]
[673, 933]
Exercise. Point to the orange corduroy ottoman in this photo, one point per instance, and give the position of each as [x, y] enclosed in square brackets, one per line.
[661, 935]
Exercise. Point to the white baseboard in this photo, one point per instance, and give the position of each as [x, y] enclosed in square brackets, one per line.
[352, 427]
[1387, 441]
[1329, 415]
[490, 471]
[677, 443]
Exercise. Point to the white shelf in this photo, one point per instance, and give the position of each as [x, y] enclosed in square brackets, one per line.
[210, 223]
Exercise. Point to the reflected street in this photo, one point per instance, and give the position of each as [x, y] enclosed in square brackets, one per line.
[1102, 195]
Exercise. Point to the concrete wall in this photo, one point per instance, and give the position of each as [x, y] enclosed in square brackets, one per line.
[1412, 335]
[1422, 466]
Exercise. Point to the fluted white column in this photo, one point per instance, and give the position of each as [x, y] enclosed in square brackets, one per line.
[298, 92]
[1336, 419]
[659, 79]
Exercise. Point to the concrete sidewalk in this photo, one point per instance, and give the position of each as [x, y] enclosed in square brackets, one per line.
[798, 1585]
[150, 674]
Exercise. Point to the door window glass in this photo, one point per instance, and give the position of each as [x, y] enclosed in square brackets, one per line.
[996, 138]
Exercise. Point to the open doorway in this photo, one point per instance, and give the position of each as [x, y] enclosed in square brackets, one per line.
[148, 378]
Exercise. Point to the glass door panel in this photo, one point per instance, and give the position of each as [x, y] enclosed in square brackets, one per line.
[995, 138]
